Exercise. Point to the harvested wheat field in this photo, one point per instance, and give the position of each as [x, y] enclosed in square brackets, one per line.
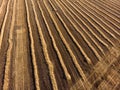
[59, 44]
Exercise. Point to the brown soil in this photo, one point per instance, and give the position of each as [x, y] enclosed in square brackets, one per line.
[59, 44]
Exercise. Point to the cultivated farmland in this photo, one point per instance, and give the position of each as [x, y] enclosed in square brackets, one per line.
[59, 44]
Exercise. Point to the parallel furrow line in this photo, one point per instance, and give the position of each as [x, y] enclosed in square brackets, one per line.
[110, 7]
[110, 31]
[45, 50]
[62, 19]
[79, 31]
[105, 9]
[80, 47]
[106, 37]
[37, 79]
[82, 34]
[104, 43]
[88, 33]
[116, 5]
[56, 48]
[117, 18]
[4, 24]
[107, 20]
[106, 16]
[59, 27]
[90, 29]
[9, 54]
[52, 30]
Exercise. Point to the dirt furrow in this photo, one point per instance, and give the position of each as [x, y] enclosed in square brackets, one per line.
[59, 27]
[107, 9]
[59, 45]
[76, 25]
[68, 63]
[116, 17]
[92, 29]
[45, 50]
[41, 71]
[3, 9]
[22, 69]
[78, 45]
[109, 31]
[115, 5]
[105, 32]
[55, 36]
[108, 5]
[67, 24]
[4, 23]
[60, 58]
[109, 22]
[99, 28]
[36, 75]
[9, 52]
[4, 43]
[84, 35]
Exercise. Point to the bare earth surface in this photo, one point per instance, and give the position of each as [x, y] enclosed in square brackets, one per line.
[59, 44]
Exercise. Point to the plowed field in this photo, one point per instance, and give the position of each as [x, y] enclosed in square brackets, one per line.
[59, 44]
